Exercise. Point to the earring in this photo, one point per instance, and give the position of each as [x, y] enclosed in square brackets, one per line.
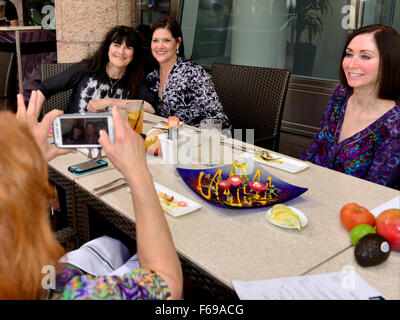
[177, 51]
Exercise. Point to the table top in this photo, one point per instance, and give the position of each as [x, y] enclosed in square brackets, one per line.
[236, 244]
[384, 277]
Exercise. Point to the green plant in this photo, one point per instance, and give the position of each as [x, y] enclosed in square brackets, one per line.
[309, 15]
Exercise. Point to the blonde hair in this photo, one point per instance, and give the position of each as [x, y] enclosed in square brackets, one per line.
[27, 242]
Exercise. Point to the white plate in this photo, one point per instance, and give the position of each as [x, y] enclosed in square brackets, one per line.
[302, 216]
[282, 163]
[174, 209]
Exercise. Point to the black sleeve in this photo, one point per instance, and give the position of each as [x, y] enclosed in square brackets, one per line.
[11, 11]
[62, 81]
[148, 95]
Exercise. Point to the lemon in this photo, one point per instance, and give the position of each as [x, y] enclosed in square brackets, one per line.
[291, 220]
[279, 209]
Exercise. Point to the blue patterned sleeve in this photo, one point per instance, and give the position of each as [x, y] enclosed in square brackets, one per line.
[312, 151]
[206, 97]
[139, 284]
[385, 168]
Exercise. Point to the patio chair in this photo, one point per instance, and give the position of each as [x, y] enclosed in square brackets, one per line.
[6, 64]
[253, 98]
[61, 99]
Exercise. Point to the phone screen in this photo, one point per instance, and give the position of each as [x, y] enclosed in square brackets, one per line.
[82, 131]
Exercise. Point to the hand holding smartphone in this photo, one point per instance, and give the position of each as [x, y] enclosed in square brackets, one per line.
[82, 131]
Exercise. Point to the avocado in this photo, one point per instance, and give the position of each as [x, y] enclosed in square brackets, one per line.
[371, 250]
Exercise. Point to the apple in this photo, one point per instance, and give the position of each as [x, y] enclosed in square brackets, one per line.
[388, 226]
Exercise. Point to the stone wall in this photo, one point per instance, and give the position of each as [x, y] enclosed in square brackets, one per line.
[82, 24]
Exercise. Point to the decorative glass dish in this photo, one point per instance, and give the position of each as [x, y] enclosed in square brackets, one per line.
[231, 186]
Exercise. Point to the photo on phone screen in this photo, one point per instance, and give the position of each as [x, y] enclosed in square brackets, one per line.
[82, 131]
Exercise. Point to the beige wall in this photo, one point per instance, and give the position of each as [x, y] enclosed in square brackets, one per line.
[82, 24]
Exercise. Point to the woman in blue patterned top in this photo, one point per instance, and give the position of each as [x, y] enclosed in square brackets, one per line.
[184, 88]
[360, 129]
[28, 249]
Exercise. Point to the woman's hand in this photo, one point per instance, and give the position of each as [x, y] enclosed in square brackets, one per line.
[39, 130]
[99, 105]
[128, 152]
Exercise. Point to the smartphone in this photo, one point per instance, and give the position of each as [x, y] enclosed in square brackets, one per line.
[82, 130]
[87, 166]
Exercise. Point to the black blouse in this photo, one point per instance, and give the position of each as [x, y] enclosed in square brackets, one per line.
[90, 86]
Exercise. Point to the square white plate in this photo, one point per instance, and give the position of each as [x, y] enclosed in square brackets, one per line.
[283, 163]
[172, 207]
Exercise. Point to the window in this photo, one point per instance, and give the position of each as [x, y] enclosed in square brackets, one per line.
[306, 36]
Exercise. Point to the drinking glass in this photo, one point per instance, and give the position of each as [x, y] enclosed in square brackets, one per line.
[210, 141]
[135, 115]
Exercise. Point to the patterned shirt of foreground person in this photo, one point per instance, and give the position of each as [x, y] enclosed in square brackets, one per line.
[73, 284]
[189, 94]
[372, 154]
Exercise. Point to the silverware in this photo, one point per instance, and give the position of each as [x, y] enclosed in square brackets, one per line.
[107, 185]
[101, 193]
[264, 155]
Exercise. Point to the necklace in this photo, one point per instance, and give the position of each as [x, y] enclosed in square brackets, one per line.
[113, 84]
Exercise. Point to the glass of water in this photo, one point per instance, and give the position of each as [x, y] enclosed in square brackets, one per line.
[210, 141]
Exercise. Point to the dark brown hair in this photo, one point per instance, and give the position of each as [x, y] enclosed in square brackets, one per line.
[134, 71]
[173, 26]
[388, 43]
[27, 243]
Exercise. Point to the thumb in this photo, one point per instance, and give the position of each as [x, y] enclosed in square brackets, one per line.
[105, 142]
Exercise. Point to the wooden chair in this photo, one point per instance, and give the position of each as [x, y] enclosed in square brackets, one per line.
[253, 98]
[61, 99]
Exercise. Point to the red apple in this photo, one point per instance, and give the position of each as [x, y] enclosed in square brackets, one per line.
[388, 226]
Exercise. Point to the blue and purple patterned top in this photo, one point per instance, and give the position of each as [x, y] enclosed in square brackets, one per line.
[73, 284]
[372, 154]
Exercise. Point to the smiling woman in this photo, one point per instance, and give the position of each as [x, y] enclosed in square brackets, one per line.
[360, 130]
[184, 88]
[112, 76]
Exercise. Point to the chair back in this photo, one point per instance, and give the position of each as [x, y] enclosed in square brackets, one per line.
[253, 98]
[6, 64]
[61, 99]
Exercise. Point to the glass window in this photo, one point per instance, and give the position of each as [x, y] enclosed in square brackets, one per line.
[306, 36]
[40, 13]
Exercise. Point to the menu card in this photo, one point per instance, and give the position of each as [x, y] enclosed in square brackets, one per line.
[345, 285]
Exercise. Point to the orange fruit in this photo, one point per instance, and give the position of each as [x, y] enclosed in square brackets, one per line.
[353, 214]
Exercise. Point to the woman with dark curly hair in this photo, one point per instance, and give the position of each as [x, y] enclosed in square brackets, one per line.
[112, 76]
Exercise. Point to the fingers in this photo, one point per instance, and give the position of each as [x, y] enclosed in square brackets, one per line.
[105, 142]
[32, 111]
[48, 119]
[21, 111]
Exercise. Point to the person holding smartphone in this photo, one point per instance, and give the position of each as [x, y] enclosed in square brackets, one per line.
[28, 243]
[112, 76]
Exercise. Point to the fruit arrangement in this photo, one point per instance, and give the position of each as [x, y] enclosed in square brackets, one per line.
[284, 216]
[373, 238]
